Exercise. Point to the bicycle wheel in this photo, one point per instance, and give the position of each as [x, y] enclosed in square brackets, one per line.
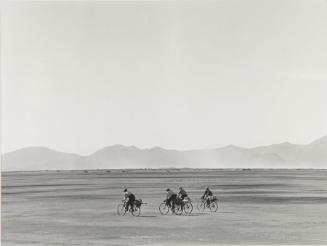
[121, 210]
[136, 211]
[163, 208]
[201, 206]
[214, 206]
[188, 208]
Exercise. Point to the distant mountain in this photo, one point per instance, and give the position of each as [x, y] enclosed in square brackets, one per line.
[40, 158]
[284, 155]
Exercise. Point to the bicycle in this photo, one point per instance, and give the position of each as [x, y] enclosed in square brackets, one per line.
[212, 205]
[135, 210]
[181, 206]
[164, 209]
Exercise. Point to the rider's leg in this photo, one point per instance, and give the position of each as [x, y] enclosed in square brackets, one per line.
[132, 203]
[173, 200]
[173, 204]
[168, 202]
[127, 206]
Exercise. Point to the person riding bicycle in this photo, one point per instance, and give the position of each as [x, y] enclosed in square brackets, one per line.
[182, 193]
[207, 196]
[129, 199]
[171, 199]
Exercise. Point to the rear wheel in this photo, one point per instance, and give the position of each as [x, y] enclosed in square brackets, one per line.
[121, 210]
[214, 206]
[201, 206]
[188, 208]
[136, 211]
[163, 208]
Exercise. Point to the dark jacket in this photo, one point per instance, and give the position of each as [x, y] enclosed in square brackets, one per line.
[170, 194]
[129, 195]
[207, 193]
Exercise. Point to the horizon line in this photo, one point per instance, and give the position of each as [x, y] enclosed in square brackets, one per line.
[165, 168]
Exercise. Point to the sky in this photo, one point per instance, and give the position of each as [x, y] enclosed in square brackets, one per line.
[78, 76]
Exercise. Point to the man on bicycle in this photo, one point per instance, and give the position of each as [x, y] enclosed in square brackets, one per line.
[207, 196]
[171, 199]
[129, 199]
[182, 193]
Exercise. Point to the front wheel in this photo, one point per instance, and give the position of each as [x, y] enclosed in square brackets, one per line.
[163, 208]
[188, 208]
[214, 206]
[121, 210]
[136, 211]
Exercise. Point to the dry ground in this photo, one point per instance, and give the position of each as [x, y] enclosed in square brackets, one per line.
[79, 208]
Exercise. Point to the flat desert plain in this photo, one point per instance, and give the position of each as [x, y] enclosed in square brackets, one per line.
[274, 207]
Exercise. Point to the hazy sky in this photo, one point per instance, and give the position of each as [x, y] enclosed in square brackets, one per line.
[79, 76]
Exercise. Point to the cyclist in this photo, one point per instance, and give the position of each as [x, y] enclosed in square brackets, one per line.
[207, 196]
[129, 199]
[182, 193]
[171, 199]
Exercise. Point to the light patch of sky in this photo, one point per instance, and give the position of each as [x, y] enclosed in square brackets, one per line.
[77, 76]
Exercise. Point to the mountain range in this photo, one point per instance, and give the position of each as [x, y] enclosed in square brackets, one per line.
[284, 155]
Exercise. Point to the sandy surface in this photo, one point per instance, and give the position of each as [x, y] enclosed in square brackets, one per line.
[79, 208]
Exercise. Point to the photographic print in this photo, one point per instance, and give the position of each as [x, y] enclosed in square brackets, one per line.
[164, 122]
